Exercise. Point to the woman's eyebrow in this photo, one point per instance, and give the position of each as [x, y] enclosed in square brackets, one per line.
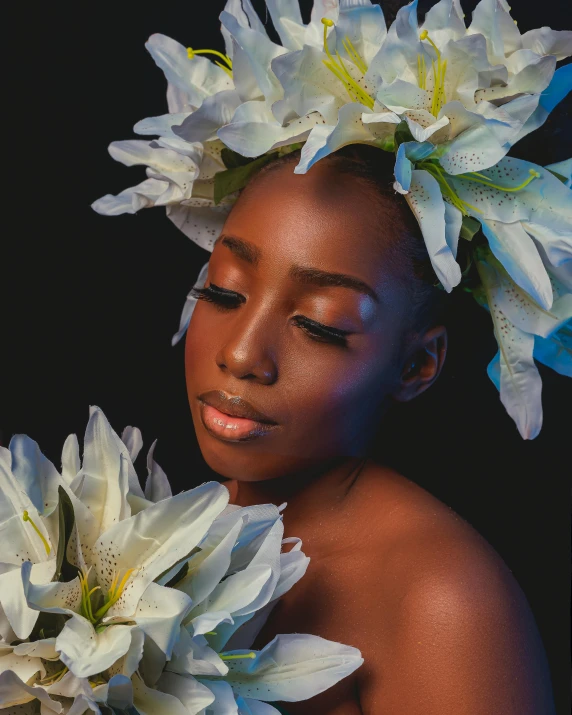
[303, 274]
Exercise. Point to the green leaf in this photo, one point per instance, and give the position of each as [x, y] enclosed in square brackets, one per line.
[561, 178]
[231, 180]
[232, 159]
[181, 573]
[469, 227]
[402, 134]
[66, 517]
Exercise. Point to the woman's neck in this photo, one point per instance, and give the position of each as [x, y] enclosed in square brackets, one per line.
[319, 485]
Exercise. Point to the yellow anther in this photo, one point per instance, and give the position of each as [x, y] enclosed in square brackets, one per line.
[232, 657]
[338, 68]
[439, 70]
[227, 66]
[534, 173]
[28, 518]
[113, 594]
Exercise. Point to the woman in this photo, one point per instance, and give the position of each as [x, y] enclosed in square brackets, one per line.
[441, 622]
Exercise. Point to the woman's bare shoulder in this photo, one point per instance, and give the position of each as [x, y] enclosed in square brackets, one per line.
[419, 538]
[404, 515]
[447, 619]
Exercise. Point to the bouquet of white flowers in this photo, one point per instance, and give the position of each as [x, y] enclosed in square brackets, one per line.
[119, 600]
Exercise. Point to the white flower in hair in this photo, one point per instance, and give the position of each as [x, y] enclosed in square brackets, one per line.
[466, 95]
[525, 331]
[203, 96]
[449, 99]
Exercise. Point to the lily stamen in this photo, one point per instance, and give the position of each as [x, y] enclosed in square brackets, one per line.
[341, 72]
[114, 593]
[28, 518]
[439, 175]
[227, 66]
[439, 71]
[85, 606]
[232, 657]
[354, 54]
[483, 180]
[54, 678]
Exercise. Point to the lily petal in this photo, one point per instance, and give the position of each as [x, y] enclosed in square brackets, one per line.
[287, 20]
[86, 652]
[512, 370]
[197, 78]
[71, 463]
[215, 112]
[254, 130]
[236, 592]
[309, 86]
[14, 692]
[427, 204]
[157, 486]
[249, 706]
[159, 614]
[35, 474]
[207, 568]
[515, 249]
[133, 440]
[131, 200]
[102, 482]
[293, 667]
[224, 702]
[201, 224]
[557, 244]
[24, 666]
[154, 702]
[349, 129]
[188, 690]
[556, 351]
[492, 20]
[545, 41]
[193, 656]
[190, 304]
[155, 539]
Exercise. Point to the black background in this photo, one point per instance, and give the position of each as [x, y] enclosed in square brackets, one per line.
[89, 303]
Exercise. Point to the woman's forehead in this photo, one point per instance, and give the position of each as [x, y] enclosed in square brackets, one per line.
[324, 219]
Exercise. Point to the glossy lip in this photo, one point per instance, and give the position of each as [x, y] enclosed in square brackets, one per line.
[234, 406]
[231, 429]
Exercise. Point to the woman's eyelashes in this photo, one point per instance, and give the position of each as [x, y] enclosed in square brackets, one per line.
[224, 299]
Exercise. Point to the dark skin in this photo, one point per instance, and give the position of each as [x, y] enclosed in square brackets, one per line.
[440, 621]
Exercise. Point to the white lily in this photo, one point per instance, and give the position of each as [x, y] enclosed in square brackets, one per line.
[523, 208]
[524, 332]
[290, 668]
[28, 530]
[448, 82]
[180, 173]
[121, 555]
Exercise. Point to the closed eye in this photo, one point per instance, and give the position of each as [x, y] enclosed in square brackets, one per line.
[224, 299]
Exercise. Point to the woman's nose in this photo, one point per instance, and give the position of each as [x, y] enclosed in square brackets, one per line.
[248, 350]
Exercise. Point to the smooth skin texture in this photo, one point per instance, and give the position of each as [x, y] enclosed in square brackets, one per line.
[442, 624]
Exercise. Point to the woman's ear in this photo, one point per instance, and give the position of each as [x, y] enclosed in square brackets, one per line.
[423, 366]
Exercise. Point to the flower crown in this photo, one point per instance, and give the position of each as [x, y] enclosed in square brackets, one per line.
[449, 100]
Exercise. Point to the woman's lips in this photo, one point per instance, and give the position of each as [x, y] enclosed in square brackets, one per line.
[229, 428]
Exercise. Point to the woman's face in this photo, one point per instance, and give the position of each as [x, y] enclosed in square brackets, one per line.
[281, 247]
